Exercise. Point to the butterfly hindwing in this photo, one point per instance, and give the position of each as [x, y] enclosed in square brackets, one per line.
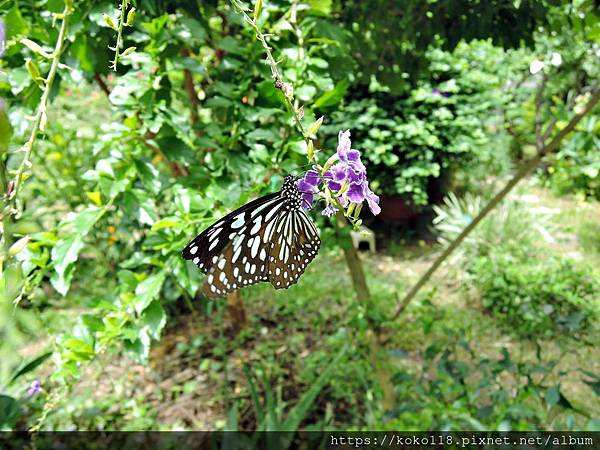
[294, 245]
[243, 261]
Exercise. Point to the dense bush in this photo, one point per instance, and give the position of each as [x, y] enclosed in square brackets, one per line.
[536, 298]
[415, 141]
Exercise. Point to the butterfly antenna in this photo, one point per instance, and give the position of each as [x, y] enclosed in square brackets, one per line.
[299, 168]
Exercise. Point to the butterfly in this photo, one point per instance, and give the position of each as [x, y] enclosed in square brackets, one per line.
[268, 239]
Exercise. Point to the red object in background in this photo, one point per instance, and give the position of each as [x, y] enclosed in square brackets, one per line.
[395, 208]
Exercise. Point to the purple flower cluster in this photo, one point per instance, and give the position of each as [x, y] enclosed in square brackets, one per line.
[346, 178]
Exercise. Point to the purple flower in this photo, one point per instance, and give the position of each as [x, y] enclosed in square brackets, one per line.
[329, 210]
[373, 202]
[34, 389]
[348, 155]
[2, 37]
[308, 186]
[345, 176]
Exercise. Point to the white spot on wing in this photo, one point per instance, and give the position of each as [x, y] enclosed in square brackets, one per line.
[239, 221]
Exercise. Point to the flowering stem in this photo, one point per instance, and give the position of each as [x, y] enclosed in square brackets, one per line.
[119, 34]
[40, 116]
[288, 98]
[526, 169]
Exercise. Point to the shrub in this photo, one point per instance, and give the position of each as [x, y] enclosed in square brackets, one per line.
[413, 142]
[537, 298]
[512, 227]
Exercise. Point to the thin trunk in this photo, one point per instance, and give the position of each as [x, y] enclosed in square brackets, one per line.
[376, 353]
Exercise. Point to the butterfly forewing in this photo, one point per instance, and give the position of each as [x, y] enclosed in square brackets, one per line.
[207, 247]
[268, 239]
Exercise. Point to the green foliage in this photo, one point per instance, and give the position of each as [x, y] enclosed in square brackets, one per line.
[421, 138]
[531, 294]
[400, 34]
[538, 298]
[454, 382]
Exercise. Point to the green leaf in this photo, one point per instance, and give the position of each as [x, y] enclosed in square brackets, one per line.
[83, 221]
[155, 318]
[110, 22]
[299, 412]
[35, 47]
[167, 222]
[30, 366]
[333, 97]
[148, 290]
[64, 254]
[5, 130]
[9, 411]
[257, 9]
[322, 6]
[79, 346]
[15, 25]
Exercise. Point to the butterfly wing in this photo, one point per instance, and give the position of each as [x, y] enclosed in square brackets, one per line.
[206, 248]
[268, 239]
[294, 244]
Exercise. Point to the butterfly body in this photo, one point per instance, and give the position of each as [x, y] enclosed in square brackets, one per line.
[269, 239]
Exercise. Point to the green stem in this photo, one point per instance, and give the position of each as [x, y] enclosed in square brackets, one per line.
[41, 112]
[274, 68]
[119, 35]
[526, 169]
[359, 281]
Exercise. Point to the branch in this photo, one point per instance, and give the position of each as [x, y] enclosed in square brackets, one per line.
[528, 167]
[190, 90]
[286, 88]
[539, 101]
[102, 83]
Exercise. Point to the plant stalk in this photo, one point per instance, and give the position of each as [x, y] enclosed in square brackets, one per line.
[359, 281]
[41, 111]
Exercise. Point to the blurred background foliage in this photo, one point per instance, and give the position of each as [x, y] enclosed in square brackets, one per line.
[442, 97]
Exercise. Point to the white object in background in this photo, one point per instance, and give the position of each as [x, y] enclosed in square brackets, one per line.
[364, 235]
